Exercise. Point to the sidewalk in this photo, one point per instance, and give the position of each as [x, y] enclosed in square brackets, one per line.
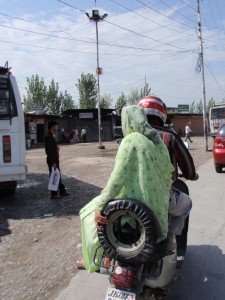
[204, 265]
[86, 286]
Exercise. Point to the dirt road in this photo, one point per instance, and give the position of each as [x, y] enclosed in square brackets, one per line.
[40, 238]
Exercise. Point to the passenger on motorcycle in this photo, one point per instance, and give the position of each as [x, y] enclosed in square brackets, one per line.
[142, 171]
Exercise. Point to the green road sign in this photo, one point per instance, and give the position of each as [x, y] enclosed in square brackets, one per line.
[183, 107]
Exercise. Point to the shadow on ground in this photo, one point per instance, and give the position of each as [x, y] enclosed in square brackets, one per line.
[202, 275]
[32, 200]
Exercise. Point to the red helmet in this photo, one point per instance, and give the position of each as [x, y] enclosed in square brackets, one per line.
[154, 106]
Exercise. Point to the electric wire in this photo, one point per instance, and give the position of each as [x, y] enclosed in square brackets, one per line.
[177, 12]
[127, 29]
[158, 12]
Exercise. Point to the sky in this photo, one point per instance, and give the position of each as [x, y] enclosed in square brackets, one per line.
[153, 41]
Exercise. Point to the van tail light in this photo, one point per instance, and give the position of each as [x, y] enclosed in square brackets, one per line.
[7, 154]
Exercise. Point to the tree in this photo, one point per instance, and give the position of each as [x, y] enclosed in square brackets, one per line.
[133, 97]
[87, 88]
[199, 107]
[53, 100]
[192, 108]
[58, 101]
[36, 93]
[145, 91]
[105, 100]
[121, 101]
[210, 104]
[49, 98]
[67, 101]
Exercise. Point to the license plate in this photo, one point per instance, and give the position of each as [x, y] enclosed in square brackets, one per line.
[115, 294]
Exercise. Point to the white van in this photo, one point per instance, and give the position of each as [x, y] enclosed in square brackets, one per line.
[12, 133]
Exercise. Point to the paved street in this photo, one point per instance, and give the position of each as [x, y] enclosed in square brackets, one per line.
[202, 276]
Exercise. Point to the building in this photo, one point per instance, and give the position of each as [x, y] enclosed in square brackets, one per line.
[36, 124]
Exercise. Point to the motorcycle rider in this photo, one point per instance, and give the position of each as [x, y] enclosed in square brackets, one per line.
[155, 110]
[180, 204]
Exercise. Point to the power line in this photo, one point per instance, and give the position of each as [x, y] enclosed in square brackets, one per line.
[160, 25]
[158, 12]
[35, 23]
[188, 5]
[91, 42]
[212, 74]
[177, 12]
[72, 6]
[129, 30]
[158, 41]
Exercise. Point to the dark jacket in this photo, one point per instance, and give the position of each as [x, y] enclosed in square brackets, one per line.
[179, 154]
[51, 149]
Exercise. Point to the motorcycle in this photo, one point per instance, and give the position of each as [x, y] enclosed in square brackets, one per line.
[139, 268]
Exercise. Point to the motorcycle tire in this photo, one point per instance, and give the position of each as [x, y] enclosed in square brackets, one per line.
[140, 251]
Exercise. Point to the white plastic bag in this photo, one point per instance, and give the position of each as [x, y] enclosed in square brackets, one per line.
[54, 180]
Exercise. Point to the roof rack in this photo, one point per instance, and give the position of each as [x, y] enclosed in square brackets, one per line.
[5, 70]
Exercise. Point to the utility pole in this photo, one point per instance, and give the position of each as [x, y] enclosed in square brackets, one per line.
[201, 68]
[97, 18]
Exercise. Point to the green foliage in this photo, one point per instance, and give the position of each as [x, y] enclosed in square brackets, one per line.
[210, 104]
[49, 98]
[121, 101]
[133, 97]
[67, 101]
[53, 106]
[36, 93]
[87, 88]
[192, 107]
[105, 100]
[198, 107]
[145, 91]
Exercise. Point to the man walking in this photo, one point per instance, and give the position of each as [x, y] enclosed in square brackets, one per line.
[52, 152]
[188, 132]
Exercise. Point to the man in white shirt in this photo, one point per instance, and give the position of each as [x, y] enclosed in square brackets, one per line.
[188, 132]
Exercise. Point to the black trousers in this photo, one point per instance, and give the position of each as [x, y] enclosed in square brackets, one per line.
[188, 137]
[61, 188]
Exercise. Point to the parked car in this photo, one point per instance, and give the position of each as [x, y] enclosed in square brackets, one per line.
[219, 148]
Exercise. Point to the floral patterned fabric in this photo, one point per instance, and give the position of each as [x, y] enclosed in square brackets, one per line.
[142, 171]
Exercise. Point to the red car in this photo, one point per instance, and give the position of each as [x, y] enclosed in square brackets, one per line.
[219, 148]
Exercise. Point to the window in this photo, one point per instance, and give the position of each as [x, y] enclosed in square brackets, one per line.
[221, 132]
[7, 99]
[218, 113]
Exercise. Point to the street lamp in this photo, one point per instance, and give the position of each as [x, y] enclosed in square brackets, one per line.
[95, 17]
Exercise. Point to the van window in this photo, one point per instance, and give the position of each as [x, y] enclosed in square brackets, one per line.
[7, 99]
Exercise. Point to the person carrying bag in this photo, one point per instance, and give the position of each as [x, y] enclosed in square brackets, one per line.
[52, 151]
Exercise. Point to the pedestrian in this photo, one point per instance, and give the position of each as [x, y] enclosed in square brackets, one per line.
[83, 135]
[52, 152]
[75, 136]
[188, 132]
[28, 139]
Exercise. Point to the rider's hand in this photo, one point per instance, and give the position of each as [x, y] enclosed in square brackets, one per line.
[99, 219]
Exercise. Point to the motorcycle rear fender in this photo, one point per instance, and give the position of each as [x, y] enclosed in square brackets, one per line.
[168, 270]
